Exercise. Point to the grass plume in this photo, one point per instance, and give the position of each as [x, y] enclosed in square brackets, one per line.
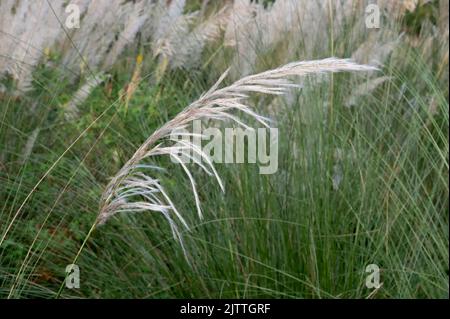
[216, 104]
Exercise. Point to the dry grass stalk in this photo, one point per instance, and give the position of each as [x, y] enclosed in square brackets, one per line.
[132, 190]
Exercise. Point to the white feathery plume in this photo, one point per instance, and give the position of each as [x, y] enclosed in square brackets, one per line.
[304, 27]
[364, 89]
[187, 47]
[99, 29]
[180, 44]
[108, 26]
[134, 21]
[31, 141]
[374, 52]
[134, 190]
[166, 44]
[166, 15]
[71, 108]
[27, 29]
[254, 30]
[443, 18]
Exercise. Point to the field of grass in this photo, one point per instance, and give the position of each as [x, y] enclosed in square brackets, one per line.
[356, 185]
